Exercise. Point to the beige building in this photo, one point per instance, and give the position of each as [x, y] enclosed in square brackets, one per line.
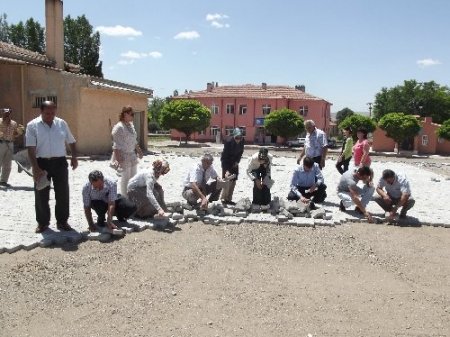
[90, 105]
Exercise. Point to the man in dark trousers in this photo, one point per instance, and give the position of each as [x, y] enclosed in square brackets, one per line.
[230, 158]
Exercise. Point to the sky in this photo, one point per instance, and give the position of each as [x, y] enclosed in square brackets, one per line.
[343, 51]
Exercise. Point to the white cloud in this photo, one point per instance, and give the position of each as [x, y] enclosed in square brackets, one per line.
[215, 17]
[427, 62]
[118, 30]
[187, 35]
[133, 55]
[217, 20]
[155, 54]
[125, 62]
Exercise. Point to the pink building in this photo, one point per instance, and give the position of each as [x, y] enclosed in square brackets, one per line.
[246, 106]
[426, 142]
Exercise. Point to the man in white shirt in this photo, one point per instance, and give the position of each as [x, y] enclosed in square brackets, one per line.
[316, 144]
[394, 192]
[46, 137]
[196, 183]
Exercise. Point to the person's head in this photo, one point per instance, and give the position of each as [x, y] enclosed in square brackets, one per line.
[361, 133]
[48, 111]
[347, 131]
[364, 173]
[237, 135]
[263, 156]
[160, 167]
[6, 113]
[127, 114]
[310, 125]
[96, 179]
[308, 163]
[207, 160]
[388, 176]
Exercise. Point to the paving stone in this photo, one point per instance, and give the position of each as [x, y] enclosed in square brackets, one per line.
[327, 216]
[286, 213]
[318, 213]
[240, 214]
[243, 204]
[128, 230]
[13, 248]
[177, 216]
[228, 212]
[173, 223]
[190, 214]
[30, 245]
[282, 218]
[321, 222]
[302, 222]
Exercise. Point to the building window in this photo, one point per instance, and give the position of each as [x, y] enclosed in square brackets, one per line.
[228, 130]
[303, 110]
[202, 133]
[243, 130]
[230, 108]
[215, 130]
[214, 109]
[39, 100]
[266, 109]
[425, 140]
[242, 109]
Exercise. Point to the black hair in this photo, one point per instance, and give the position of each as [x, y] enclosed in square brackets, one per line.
[95, 176]
[308, 162]
[388, 174]
[365, 171]
[363, 131]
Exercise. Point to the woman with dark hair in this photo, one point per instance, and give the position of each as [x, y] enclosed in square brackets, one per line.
[361, 149]
[145, 191]
[346, 152]
[126, 149]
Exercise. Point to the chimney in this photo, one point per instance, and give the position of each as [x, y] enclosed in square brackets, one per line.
[300, 87]
[209, 86]
[264, 85]
[54, 32]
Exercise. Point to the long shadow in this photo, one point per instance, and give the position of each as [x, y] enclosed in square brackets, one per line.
[21, 188]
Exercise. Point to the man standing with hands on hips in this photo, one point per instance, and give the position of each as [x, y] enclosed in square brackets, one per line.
[46, 137]
[316, 144]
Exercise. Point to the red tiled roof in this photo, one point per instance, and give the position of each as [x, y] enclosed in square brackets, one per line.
[252, 91]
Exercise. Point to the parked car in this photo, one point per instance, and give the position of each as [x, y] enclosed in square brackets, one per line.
[299, 142]
[332, 143]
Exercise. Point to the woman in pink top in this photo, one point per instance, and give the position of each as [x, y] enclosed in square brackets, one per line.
[361, 149]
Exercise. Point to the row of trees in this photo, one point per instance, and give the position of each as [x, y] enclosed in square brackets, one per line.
[81, 43]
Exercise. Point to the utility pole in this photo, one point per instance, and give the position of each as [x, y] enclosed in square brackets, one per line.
[370, 109]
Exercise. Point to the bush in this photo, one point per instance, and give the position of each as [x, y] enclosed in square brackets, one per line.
[284, 123]
[399, 126]
[444, 130]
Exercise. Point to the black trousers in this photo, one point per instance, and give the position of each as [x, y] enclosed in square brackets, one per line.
[318, 195]
[57, 172]
[260, 196]
[124, 208]
[318, 160]
[342, 166]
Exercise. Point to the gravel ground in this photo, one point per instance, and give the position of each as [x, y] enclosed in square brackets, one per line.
[244, 280]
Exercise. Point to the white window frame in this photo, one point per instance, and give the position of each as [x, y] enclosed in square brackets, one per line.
[266, 107]
[242, 109]
[214, 130]
[214, 109]
[424, 140]
[230, 108]
[303, 110]
[228, 130]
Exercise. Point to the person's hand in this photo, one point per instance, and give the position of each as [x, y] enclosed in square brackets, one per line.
[312, 188]
[204, 203]
[227, 174]
[304, 200]
[38, 173]
[74, 163]
[259, 184]
[387, 199]
[369, 217]
[161, 213]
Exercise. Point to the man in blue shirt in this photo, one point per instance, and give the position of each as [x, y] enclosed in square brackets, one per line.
[307, 183]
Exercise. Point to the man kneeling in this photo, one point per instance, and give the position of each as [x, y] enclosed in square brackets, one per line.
[197, 184]
[100, 194]
[307, 183]
[394, 193]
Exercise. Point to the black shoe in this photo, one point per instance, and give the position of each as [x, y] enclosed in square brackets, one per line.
[342, 207]
[101, 223]
[2, 183]
[312, 206]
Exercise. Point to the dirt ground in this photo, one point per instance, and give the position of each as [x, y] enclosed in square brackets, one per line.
[246, 280]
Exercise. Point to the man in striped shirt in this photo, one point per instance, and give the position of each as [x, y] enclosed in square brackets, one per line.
[100, 194]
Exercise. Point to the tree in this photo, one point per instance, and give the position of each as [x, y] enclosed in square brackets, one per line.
[399, 126]
[284, 123]
[414, 98]
[154, 111]
[187, 116]
[29, 35]
[4, 28]
[444, 130]
[358, 121]
[82, 45]
[17, 34]
[342, 114]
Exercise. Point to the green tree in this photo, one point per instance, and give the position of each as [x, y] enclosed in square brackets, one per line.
[82, 45]
[284, 123]
[17, 35]
[4, 28]
[187, 116]
[414, 98]
[399, 126]
[154, 111]
[34, 33]
[357, 121]
[342, 114]
[444, 130]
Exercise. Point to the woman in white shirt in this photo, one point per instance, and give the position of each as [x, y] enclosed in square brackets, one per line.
[126, 150]
[146, 193]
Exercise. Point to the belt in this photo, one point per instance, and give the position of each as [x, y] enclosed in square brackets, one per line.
[51, 158]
